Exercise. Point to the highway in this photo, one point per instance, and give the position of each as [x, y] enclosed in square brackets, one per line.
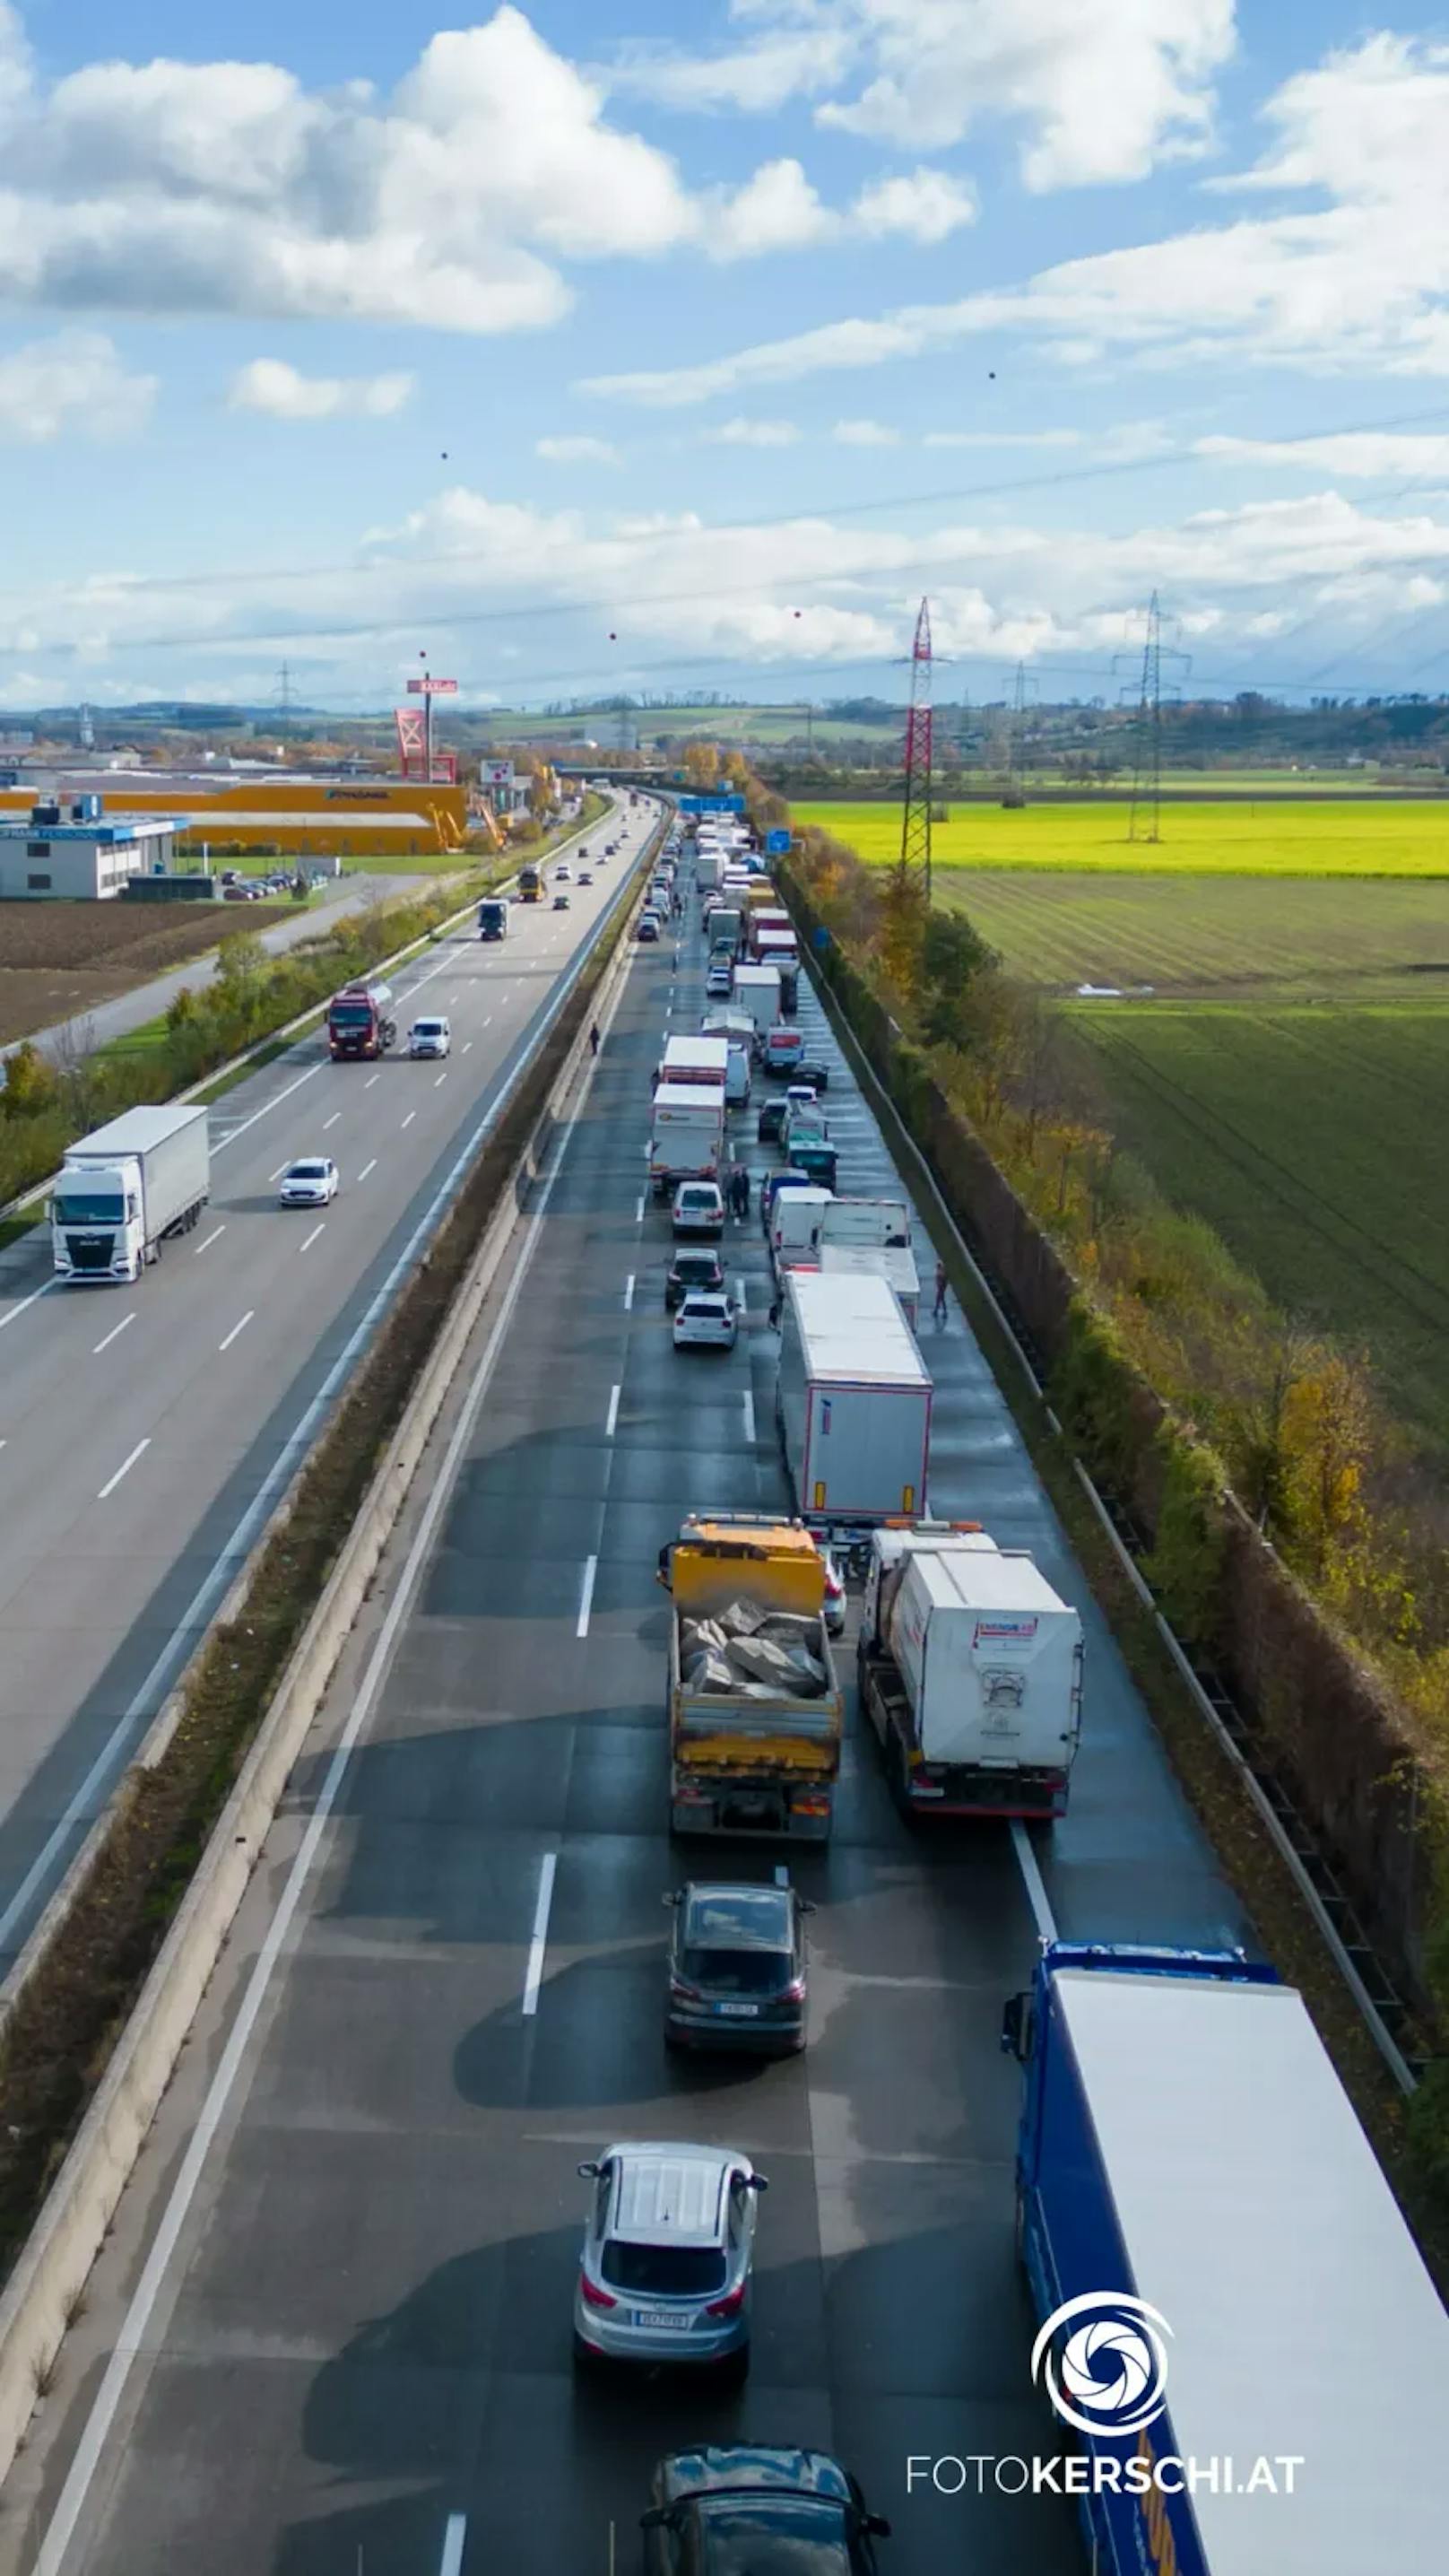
[350, 2355]
[146, 1431]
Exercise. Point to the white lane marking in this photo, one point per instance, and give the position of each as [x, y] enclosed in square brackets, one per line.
[488, 1023]
[533, 1975]
[114, 1334]
[629, 1293]
[332, 1121]
[609, 1427]
[407, 1122]
[586, 1596]
[749, 1418]
[639, 1210]
[237, 1328]
[741, 1299]
[367, 1167]
[371, 1079]
[451, 2563]
[210, 1240]
[1036, 1895]
[467, 1042]
[123, 1470]
[312, 1237]
[71, 2503]
[24, 1302]
[441, 1077]
[277, 1174]
[275, 1103]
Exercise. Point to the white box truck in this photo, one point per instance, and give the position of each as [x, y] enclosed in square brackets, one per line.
[892, 1262]
[124, 1189]
[757, 990]
[970, 1674]
[853, 1400]
[686, 1140]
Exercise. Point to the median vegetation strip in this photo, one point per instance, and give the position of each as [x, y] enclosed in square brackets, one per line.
[69, 2014]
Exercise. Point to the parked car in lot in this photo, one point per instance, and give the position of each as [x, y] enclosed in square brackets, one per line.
[664, 2274]
[430, 1038]
[690, 1272]
[738, 1968]
[648, 927]
[313, 1182]
[730, 2509]
[698, 1208]
[703, 1321]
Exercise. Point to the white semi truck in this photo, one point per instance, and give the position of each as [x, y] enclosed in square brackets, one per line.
[122, 1190]
[970, 1674]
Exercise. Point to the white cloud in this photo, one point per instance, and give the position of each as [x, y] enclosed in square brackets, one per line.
[1359, 284]
[865, 433]
[1002, 438]
[577, 451]
[1368, 455]
[77, 381]
[1100, 93]
[777, 210]
[754, 433]
[926, 206]
[270, 385]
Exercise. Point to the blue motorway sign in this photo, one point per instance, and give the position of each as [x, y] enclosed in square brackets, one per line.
[776, 843]
[711, 804]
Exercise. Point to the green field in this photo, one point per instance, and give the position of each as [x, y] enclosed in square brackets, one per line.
[1315, 1141]
[1237, 838]
[1214, 935]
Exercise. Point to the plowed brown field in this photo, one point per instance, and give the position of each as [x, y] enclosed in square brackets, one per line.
[57, 960]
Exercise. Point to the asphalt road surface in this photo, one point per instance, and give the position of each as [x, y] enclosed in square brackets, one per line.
[146, 1431]
[105, 1021]
[352, 2355]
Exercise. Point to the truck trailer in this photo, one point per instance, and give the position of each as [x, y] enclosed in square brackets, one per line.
[970, 1674]
[852, 1400]
[757, 990]
[1258, 2366]
[883, 1222]
[125, 1188]
[686, 1141]
[755, 1709]
[894, 1263]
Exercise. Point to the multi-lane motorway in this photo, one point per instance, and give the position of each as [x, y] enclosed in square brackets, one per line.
[146, 1431]
[334, 2340]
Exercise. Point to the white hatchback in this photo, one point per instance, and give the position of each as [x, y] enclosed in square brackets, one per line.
[704, 1322]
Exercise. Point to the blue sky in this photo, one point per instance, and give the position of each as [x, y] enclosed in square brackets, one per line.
[609, 347]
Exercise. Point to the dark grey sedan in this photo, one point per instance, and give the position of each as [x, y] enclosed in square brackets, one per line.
[738, 1974]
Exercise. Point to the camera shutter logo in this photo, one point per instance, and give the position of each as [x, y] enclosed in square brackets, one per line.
[1108, 2373]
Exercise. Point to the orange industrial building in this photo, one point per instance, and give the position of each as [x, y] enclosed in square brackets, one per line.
[302, 817]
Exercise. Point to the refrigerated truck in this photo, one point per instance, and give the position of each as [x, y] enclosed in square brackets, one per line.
[124, 1189]
[757, 990]
[703, 1059]
[895, 1263]
[970, 1674]
[1185, 2142]
[883, 1222]
[853, 1400]
[777, 948]
[686, 1140]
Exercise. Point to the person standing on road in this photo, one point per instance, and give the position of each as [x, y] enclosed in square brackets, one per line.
[940, 1306]
[594, 1039]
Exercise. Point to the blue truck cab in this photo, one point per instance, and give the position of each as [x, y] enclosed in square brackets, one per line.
[1212, 2253]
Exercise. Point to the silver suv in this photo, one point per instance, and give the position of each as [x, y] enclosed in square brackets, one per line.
[665, 2270]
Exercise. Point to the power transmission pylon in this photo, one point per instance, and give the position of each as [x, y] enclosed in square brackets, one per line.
[284, 695]
[1145, 818]
[916, 813]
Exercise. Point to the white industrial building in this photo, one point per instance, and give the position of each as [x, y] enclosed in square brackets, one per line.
[56, 852]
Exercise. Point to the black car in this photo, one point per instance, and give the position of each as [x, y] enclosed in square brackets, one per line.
[691, 1271]
[560, 903]
[741, 2510]
[738, 1971]
[770, 1125]
[816, 1074]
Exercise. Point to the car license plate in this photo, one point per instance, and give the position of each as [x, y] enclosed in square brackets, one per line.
[739, 2012]
[661, 2320]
